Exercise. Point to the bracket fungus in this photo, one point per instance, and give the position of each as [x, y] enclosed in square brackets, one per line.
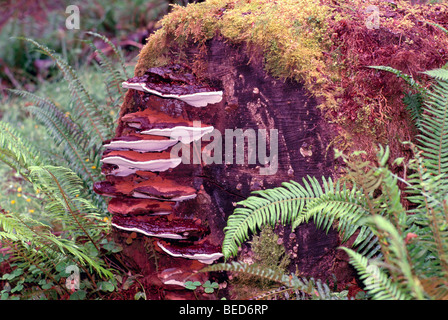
[182, 133]
[128, 162]
[141, 143]
[147, 181]
[160, 227]
[167, 83]
[204, 253]
[133, 206]
[153, 188]
[155, 123]
[177, 277]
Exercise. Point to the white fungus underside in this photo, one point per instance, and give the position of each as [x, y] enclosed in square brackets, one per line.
[127, 167]
[183, 134]
[177, 199]
[141, 145]
[201, 257]
[149, 234]
[200, 99]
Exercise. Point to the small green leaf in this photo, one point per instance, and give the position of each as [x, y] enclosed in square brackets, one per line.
[140, 295]
[78, 295]
[106, 286]
[17, 288]
[192, 285]
[398, 161]
[209, 290]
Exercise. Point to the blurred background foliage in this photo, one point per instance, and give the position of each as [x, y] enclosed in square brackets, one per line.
[127, 22]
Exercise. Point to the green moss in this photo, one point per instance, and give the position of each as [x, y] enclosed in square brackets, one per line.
[268, 254]
[290, 34]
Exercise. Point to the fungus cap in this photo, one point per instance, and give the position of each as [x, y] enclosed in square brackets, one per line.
[203, 252]
[199, 99]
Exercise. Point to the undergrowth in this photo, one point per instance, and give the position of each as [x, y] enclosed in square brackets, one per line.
[65, 233]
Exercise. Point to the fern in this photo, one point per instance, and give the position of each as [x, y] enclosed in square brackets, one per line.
[64, 132]
[15, 151]
[377, 283]
[412, 101]
[312, 288]
[113, 77]
[65, 182]
[283, 204]
[414, 104]
[408, 78]
[395, 279]
[63, 188]
[117, 52]
[80, 136]
[295, 204]
[35, 245]
[433, 140]
[93, 119]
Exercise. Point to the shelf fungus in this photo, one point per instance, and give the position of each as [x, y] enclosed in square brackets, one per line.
[155, 123]
[177, 277]
[132, 206]
[153, 188]
[141, 143]
[169, 83]
[203, 252]
[160, 227]
[128, 162]
[152, 191]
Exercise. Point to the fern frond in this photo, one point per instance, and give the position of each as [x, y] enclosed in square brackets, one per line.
[437, 26]
[284, 204]
[64, 188]
[112, 80]
[15, 151]
[116, 51]
[377, 283]
[295, 204]
[433, 140]
[438, 74]
[314, 288]
[90, 114]
[35, 244]
[414, 104]
[64, 132]
[397, 259]
[113, 76]
[408, 78]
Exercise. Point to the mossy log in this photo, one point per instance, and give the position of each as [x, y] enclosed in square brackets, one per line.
[252, 100]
